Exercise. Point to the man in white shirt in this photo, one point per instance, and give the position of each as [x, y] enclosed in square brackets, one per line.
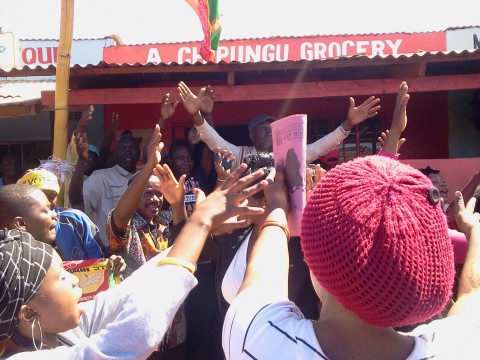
[259, 128]
[104, 187]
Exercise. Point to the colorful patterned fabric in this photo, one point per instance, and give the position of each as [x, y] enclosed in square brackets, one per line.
[139, 241]
[209, 15]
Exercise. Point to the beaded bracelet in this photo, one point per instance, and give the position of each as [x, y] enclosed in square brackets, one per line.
[276, 223]
[178, 261]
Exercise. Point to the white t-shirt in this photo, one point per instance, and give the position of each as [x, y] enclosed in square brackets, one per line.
[101, 193]
[233, 278]
[260, 326]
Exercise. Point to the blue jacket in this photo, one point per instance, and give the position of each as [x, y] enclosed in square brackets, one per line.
[77, 236]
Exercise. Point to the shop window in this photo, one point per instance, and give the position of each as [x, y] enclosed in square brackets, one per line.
[30, 153]
[361, 141]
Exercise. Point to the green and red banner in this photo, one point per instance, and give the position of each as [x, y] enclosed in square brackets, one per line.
[209, 15]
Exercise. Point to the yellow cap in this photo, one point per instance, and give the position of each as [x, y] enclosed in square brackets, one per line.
[40, 178]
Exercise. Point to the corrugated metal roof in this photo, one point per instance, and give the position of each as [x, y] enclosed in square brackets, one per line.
[275, 37]
[80, 39]
[23, 92]
[223, 40]
[104, 65]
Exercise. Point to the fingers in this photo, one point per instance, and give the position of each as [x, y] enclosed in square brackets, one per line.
[202, 92]
[319, 174]
[372, 102]
[184, 90]
[199, 195]
[352, 102]
[181, 181]
[271, 177]
[459, 203]
[210, 93]
[471, 205]
[236, 182]
[161, 173]
[308, 179]
[371, 106]
[241, 186]
[165, 174]
[157, 135]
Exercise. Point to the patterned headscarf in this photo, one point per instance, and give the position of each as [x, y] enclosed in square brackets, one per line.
[24, 262]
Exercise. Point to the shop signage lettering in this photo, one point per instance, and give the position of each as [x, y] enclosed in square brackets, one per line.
[40, 55]
[280, 49]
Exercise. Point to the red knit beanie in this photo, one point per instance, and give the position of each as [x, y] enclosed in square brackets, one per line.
[374, 241]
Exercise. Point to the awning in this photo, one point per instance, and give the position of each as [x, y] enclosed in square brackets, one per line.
[20, 97]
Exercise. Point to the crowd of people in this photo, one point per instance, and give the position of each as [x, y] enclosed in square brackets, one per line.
[199, 235]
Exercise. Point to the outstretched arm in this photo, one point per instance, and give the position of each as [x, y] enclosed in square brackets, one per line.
[356, 115]
[192, 102]
[207, 133]
[85, 119]
[167, 110]
[392, 139]
[271, 272]
[469, 285]
[107, 140]
[128, 203]
[75, 191]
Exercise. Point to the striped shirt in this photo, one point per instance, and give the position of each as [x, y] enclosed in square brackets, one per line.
[258, 326]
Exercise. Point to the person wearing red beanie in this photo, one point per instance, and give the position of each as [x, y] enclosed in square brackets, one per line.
[376, 241]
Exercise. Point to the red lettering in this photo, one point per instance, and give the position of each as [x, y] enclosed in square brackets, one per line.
[40, 55]
[29, 56]
[45, 51]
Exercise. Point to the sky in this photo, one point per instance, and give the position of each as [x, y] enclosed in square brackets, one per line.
[162, 21]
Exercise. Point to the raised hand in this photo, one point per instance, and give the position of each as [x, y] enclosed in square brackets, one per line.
[391, 141]
[155, 147]
[81, 144]
[467, 220]
[313, 177]
[173, 191]
[191, 101]
[362, 112]
[399, 122]
[384, 136]
[87, 115]
[276, 193]
[206, 105]
[223, 160]
[229, 199]
[167, 107]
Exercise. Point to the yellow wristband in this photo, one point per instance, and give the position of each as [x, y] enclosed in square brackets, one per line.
[276, 223]
[178, 261]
